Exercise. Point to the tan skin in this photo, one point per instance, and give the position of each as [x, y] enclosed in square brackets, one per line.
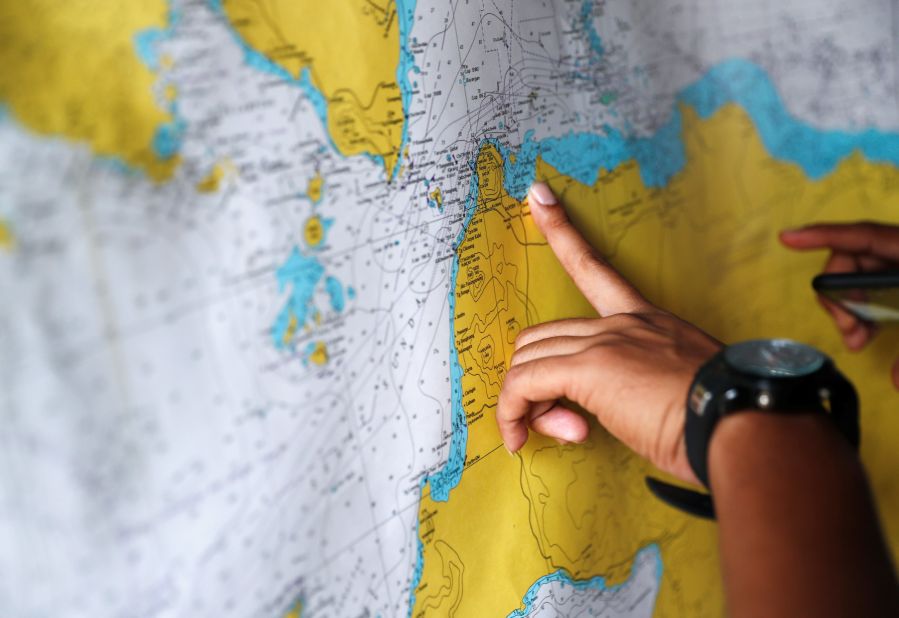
[854, 247]
[798, 530]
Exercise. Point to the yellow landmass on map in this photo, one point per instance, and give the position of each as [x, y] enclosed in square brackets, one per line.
[70, 69]
[704, 247]
[319, 354]
[213, 180]
[351, 49]
[315, 187]
[7, 239]
[291, 330]
[314, 231]
[437, 196]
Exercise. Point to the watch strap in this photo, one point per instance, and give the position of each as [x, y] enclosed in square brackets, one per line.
[692, 502]
[718, 390]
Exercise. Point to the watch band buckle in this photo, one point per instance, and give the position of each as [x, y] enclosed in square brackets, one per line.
[687, 500]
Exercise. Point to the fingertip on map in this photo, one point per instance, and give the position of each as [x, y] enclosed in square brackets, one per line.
[792, 236]
[541, 194]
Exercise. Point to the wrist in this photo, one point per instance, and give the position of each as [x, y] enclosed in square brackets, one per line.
[750, 446]
[798, 532]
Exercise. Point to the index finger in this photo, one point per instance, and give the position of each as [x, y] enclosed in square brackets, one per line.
[870, 238]
[600, 283]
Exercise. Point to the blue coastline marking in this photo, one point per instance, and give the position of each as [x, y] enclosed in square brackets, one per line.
[298, 604]
[660, 156]
[450, 474]
[419, 567]
[118, 166]
[302, 274]
[335, 292]
[595, 583]
[583, 156]
[592, 36]
[405, 11]
[445, 479]
[168, 137]
[787, 138]
[260, 62]
[146, 43]
[310, 348]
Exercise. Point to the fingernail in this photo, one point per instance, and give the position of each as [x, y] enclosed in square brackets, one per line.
[542, 194]
[511, 454]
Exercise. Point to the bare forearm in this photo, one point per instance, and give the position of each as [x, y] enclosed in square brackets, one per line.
[799, 535]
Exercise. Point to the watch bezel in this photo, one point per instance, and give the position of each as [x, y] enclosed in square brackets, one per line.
[720, 389]
[731, 355]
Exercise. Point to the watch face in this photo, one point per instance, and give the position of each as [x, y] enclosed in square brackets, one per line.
[774, 358]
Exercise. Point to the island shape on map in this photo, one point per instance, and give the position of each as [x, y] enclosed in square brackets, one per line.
[348, 58]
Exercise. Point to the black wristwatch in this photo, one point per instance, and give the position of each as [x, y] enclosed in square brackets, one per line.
[776, 375]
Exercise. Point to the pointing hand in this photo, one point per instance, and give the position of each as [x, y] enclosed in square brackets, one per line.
[631, 368]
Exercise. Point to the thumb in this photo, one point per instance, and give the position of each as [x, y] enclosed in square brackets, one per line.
[562, 424]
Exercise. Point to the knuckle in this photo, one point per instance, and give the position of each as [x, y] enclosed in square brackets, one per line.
[519, 356]
[601, 352]
[665, 320]
[513, 376]
[625, 320]
[526, 335]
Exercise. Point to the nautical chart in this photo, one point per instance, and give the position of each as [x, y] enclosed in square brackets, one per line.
[262, 264]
